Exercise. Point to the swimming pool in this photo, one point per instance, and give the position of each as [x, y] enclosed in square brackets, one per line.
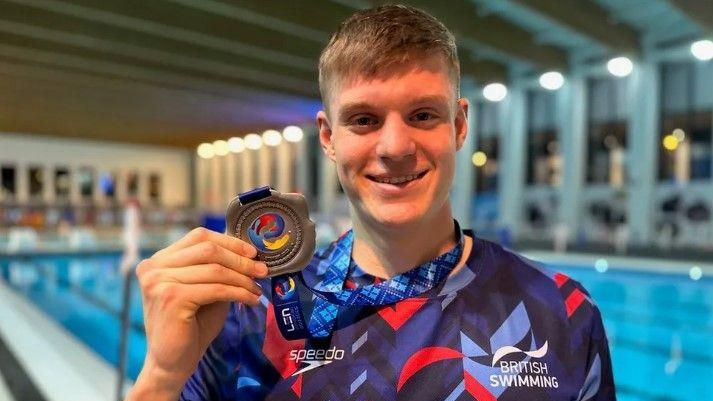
[660, 325]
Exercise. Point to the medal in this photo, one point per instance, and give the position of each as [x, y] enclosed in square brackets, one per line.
[277, 225]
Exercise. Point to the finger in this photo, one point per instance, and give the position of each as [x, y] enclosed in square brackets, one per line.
[210, 252]
[200, 234]
[211, 274]
[205, 294]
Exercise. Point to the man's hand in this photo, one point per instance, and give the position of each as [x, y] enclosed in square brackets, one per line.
[186, 290]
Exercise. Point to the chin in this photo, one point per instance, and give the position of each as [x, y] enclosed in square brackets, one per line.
[396, 215]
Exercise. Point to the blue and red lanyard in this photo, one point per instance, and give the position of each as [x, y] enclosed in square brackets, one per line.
[331, 293]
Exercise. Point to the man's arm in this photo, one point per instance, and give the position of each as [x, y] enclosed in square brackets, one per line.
[187, 290]
[599, 382]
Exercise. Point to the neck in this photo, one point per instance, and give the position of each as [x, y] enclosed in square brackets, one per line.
[388, 251]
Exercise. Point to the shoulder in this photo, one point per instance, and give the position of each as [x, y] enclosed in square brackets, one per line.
[512, 272]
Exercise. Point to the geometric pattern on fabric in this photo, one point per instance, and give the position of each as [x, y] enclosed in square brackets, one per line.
[424, 348]
[333, 292]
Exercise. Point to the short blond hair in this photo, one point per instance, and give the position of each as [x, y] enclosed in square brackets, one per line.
[375, 41]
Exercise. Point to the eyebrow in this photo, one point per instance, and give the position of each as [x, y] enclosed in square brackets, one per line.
[350, 108]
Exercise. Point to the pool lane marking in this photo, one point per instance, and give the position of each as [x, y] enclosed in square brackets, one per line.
[95, 300]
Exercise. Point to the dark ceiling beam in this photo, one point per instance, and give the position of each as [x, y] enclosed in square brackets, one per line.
[325, 16]
[73, 105]
[205, 25]
[79, 18]
[13, 17]
[700, 11]
[483, 71]
[589, 19]
[461, 17]
[34, 37]
[312, 20]
[135, 72]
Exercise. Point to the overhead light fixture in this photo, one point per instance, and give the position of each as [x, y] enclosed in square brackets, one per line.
[221, 147]
[253, 141]
[679, 134]
[205, 151]
[670, 142]
[551, 80]
[702, 49]
[293, 133]
[479, 158]
[495, 92]
[271, 137]
[236, 144]
[620, 66]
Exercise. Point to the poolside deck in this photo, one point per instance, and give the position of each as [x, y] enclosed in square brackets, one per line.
[46, 362]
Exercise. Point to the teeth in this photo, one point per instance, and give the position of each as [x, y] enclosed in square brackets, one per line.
[396, 180]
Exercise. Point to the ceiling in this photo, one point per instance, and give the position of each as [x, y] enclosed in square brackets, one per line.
[181, 72]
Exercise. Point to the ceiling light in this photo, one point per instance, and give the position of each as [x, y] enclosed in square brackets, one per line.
[679, 134]
[620, 66]
[495, 92]
[236, 144]
[702, 50]
[221, 147]
[293, 133]
[253, 141]
[271, 137]
[479, 159]
[205, 151]
[551, 80]
[670, 142]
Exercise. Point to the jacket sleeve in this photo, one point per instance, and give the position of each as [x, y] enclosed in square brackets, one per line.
[599, 382]
[213, 379]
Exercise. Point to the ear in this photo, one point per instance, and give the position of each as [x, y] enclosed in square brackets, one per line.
[461, 121]
[325, 135]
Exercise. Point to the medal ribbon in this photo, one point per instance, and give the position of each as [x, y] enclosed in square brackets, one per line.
[332, 294]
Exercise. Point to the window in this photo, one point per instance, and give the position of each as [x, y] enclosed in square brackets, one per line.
[132, 184]
[8, 183]
[155, 188]
[686, 134]
[486, 157]
[85, 180]
[607, 131]
[544, 162]
[62, 184]
[107, 183]
[36, 181]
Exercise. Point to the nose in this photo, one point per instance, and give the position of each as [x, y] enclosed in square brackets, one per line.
[395, 140]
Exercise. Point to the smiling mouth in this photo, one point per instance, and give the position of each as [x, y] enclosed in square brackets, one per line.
[397, 180]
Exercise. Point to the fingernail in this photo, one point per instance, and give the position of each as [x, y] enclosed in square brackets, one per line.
[261, 269]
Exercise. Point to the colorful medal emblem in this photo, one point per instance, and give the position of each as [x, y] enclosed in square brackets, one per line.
[277, 224]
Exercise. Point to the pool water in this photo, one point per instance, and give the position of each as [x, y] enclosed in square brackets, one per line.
[84, 295]
[660, 326]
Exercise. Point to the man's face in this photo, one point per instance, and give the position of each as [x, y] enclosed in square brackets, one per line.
[394, 139]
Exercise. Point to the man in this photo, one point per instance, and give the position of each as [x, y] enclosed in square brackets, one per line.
[469, 320]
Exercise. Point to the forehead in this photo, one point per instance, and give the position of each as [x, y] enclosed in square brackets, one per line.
[426, 78]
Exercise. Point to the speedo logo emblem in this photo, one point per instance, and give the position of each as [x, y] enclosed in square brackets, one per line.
[315, 358]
